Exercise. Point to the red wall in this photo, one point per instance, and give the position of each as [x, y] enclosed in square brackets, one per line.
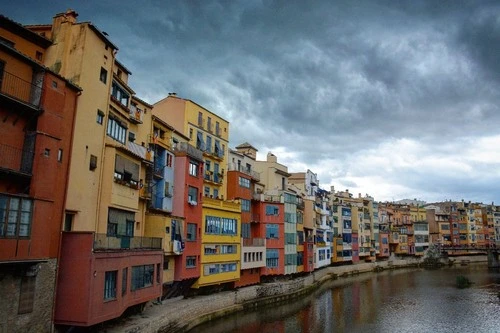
[193, 214]
[80, 289]
[48, 182]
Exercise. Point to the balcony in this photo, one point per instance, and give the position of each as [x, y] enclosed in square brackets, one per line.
[215, 178]
[255, 218]
[105, 242]
[253, 242]
[235, 167]
[186, 148]
[13, 88]
[136, 114]
[16, 160]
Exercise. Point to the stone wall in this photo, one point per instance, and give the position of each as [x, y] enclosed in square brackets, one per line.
[40, 319]
[180, 315]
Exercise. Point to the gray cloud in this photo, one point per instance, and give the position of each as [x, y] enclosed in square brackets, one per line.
[328, 81]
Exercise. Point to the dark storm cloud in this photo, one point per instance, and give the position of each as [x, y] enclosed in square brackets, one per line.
[327, 80]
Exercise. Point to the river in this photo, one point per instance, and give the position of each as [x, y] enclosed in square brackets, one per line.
[403, 300]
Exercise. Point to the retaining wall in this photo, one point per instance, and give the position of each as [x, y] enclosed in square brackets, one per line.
[180, 315]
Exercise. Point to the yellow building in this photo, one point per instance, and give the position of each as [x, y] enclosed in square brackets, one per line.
[220, 252]
[104, 248]
[221, 219]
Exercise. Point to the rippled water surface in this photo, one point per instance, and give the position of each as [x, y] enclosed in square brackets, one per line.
[390, 301]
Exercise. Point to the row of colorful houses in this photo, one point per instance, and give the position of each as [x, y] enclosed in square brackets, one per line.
[108, 202]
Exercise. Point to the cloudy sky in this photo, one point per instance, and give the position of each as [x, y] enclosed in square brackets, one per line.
[397, 99]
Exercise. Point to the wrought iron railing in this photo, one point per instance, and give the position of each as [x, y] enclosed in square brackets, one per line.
[21, 90]
[105, 242]
[16, 159]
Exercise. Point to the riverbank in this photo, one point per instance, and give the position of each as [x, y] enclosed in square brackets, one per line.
[180, 315]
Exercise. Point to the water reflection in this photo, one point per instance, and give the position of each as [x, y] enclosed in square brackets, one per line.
[399, 300]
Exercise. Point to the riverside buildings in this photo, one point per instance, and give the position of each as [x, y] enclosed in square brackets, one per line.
[108, 202]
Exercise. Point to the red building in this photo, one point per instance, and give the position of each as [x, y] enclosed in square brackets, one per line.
[37, 109]
[271, 212]
[241, 185]
[188, 177]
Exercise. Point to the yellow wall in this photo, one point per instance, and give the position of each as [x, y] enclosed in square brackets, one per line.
[78, 54]
[223, 209]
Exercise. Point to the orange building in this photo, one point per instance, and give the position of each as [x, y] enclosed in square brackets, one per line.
[242, 183]
[37, 108]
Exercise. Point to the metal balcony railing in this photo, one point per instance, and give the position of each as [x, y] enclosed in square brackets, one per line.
[122, 242]
[240, 168]
[253, 241]
[16, 159]
[21, 90]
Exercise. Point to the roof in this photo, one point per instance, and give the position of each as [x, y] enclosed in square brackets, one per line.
[123, 67]
[25, 33]
[188, 100]
[161, 121]
[246, 145]
[34, 63]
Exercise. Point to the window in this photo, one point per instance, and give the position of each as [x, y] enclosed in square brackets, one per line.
[300, 236]
[103, 77]
[218, 150]
[27, 294]
[208, 145]
[190, 262]
[290, 238]
[216, 193]
[244, 182]
[131, 136]
[192, 194]
[220, 249]
[245, 230]
[15, 216]
[272, 231]
[209, 124]
[220, 225]
[217, 128]
[120, 222]
[142, 276]
[190, 133]
[206, 191]
[272, 258]
[116, 129]
[200, 119]
[200, 144]
[245, 205]
[124, 280]
[93, 163]
[68, 221]
[120, 94]
[191, 231]
[272, 210]
[126, 171]
[193, 168]
[100, 117]
[110, 285]
[169, 160]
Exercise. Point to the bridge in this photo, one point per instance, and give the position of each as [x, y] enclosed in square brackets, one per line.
[492, 252]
